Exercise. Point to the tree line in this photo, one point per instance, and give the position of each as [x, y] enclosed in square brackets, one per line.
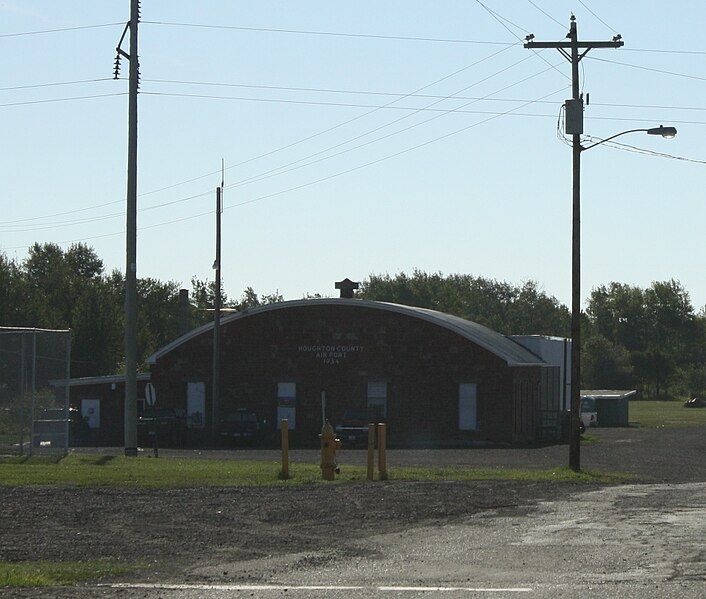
[651, 338]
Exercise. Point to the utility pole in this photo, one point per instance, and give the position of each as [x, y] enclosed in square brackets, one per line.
[131, 238]
[216, 387]
[574, 127]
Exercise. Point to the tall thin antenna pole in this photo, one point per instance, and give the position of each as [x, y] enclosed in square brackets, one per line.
[131, 244]
[215, 400]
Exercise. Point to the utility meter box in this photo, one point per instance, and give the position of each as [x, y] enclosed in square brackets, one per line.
[573, 115]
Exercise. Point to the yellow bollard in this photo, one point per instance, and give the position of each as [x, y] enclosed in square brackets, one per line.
[329, 445]
[285, 448]
[382, 451]
[371, 451]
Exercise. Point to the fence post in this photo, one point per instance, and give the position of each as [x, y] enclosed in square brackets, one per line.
[285, 448]
[21, 396]
[382, 451]
[67, 388]
[34, 392]
[371, 451]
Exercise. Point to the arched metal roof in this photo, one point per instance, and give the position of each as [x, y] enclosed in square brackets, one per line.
[503, 347]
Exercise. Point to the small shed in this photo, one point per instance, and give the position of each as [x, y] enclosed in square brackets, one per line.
[612, 405]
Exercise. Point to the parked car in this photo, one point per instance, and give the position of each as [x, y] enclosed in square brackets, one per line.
[589, 413]
[170, 425]
[353, 427]
[240, 426]
[695, 402]
[49, 427]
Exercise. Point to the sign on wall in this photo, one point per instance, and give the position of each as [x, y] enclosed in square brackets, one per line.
[330, 354]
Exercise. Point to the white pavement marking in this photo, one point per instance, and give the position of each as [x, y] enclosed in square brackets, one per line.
[283, 587]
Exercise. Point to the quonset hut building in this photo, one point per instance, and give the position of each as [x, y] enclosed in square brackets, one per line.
[437, 379]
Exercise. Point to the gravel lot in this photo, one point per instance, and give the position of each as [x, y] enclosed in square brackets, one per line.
[655, 455]
[261, 534]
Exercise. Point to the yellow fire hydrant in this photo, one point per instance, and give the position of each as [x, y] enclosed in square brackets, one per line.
[329, 445]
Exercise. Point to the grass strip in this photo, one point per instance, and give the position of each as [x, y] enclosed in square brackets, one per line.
[43, 573]
[145, 472]
[665, 414]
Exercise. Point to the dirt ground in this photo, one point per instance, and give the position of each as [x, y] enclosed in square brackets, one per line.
[181, 534]
[177, 530]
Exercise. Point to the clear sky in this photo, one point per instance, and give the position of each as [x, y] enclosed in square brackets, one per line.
[490, 198]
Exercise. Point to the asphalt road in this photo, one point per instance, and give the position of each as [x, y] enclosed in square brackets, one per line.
[623, 541]
[413, 539]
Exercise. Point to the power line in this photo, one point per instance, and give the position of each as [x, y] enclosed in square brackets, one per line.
[289, 145]
[310, 183]
[327, 33]
[450, 110]
[546, 14]
[500, 19]
[273, 172]
[637, 66]
[54, 84]
[329, 90]
[60, 224]
[662, 51]
[77, 28]
[597, 17]
[28, 102]
[628, 148]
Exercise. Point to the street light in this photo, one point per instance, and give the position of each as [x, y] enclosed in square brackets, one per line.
[666, 132]
[574, 50]
[575, 434]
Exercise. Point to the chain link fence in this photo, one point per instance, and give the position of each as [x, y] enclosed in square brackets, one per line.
[35, 416]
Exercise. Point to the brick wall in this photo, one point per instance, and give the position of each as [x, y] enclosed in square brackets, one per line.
[422, 363]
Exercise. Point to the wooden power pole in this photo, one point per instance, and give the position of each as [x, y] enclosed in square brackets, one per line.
[574, 126]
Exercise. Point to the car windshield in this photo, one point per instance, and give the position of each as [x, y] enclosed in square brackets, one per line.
[235, 417]
[588, 404]
[158, 413]
[361, 415]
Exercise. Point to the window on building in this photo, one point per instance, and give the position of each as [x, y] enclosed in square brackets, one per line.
[377, 397]
[286, 404]
[468, 407]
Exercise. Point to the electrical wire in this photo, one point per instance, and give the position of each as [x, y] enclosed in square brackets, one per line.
[597, 17]
[329, 90]
[629, 148]
[54, 84]
[326, 33]
[61, 29]
[637, 66]
[68, 223]
[310, 183]
[307, 138]
[28, 102]
[290, 166]
[292, 144]
[546, 14]
[389, 37]
[500, 19]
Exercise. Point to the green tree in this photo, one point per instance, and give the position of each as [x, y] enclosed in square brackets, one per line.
[496, 304]
[605, 365]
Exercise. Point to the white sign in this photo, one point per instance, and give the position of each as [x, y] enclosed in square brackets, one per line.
[150, 395]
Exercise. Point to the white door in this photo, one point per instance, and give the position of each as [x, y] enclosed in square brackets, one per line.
[467, 407]
[195, 405]
[91, 412]
[377, 397]
[286, 405]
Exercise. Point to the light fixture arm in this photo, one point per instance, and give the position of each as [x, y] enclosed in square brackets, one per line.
[667, 132]
[598, 143]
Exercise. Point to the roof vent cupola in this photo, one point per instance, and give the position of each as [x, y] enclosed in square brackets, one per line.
[347, 288]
